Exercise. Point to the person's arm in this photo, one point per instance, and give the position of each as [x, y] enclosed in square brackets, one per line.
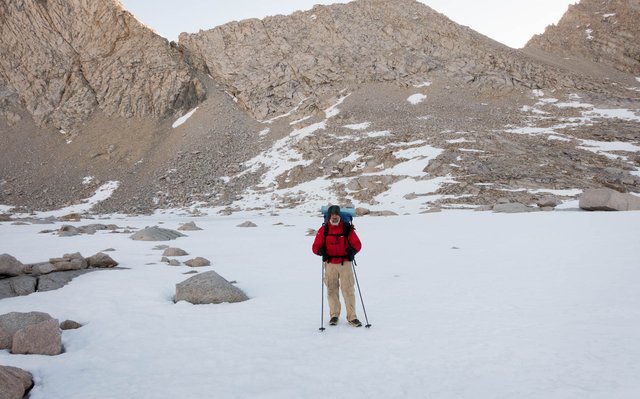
[354, 241]
[318, 243]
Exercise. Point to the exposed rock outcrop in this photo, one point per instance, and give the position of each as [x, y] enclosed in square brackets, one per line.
[278, 63]
[70, 58]
[598, 31]
[50, 275]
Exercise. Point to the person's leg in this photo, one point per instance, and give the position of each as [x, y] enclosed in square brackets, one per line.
[332, 281]
[347, 282]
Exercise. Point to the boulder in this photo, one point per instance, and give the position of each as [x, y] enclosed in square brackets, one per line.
[68, 231]
[191, 226]
[174, 252]
[43, 338]
[548, 201]
[247, 224]
[208, 287]
[11, 323]
[10, 266]
[197, 262]
[16, 286]
[71, 217]
[101, 260]
[15, 382]
[604, 199]
[41, 268]
[73, 261]
[156, 233]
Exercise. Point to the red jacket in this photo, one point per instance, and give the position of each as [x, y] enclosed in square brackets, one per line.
[337, 244]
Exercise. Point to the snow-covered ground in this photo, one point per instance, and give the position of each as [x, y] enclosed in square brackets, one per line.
[462, 304]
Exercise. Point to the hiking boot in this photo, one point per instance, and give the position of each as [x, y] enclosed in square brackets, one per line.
[333, 321]
[355, 323]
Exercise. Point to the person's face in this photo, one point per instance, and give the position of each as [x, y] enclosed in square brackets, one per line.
[334, 218]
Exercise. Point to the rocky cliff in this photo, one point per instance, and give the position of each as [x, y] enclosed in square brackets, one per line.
[278, 63]
[599, 31]
[66, 59]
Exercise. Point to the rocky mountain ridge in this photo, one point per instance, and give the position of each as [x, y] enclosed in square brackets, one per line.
[380, 104]
[599, 31]
[273, 65]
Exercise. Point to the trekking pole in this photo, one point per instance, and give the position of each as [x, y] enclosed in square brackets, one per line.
[353, 266]
[322, 300]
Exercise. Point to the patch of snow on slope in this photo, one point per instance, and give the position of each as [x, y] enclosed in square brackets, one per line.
[184, 118]
[358, 126]
[416, 98]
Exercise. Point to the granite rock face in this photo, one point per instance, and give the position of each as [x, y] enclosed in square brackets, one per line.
[278, 63]
[598, 31]
[71, 58]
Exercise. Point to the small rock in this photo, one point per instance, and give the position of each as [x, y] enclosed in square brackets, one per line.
[70, 325]
[191, 226]
[71, 217]
[247, 224]
[197, 262]
[174, 252]
[102, 261]
[68, 231]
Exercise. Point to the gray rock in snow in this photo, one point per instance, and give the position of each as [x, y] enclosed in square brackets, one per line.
[16, 286]
[208, 287]
[174, 252]
[191, 226]
[197, 262]
[10, 266]
[11, 323]
[156, 233]
[604, 199]
[15, 382]
[43, 338]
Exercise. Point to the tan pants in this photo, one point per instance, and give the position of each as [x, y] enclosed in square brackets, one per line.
[338, 276]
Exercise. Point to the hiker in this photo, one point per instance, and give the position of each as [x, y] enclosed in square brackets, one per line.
[337, 243]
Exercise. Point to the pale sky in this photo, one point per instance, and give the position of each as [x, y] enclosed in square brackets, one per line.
[511, 22]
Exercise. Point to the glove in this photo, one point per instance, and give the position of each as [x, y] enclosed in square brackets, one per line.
[351, 253]
[321, 252]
